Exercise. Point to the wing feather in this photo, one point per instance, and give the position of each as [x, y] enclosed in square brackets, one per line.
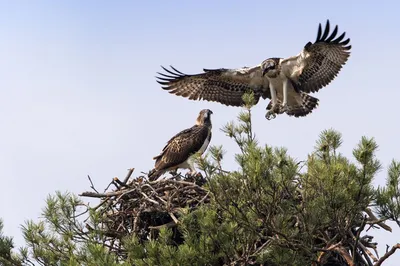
[181, 146]
[225, 86]
[321, 61]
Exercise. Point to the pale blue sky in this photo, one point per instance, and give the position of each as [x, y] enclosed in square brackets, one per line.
[78, 94]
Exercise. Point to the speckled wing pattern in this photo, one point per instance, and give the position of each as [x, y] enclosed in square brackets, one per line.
[181, 146]
[226, 86]
[326, 58]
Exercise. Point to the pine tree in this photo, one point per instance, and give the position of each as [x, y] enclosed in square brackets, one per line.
[7, 257]
[272, 210]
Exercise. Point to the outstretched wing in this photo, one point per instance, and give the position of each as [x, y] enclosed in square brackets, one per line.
[225, 86]
[320, 62]
[181, 146]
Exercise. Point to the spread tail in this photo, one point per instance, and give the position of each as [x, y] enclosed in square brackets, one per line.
[301, 104]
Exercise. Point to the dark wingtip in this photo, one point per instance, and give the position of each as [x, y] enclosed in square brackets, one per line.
[323, 36]
[338, 39]
[326, 31]
[345, 42]
[168, 79]
[333, 34]
[319, 32]
[177, 71]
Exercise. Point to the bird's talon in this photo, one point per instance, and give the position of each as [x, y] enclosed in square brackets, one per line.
[270, 115]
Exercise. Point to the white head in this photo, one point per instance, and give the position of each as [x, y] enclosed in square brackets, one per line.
[270, 67]
[204, 117]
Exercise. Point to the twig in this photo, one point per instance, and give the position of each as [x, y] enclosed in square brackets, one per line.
[128, 175]
[358, 237]
[260, 248]
[203, 199]
[101, 204]
[168, 225]
[173, 217]
[375, 220]
[136, 220]
[387, 255]
[102, 195]
[108, 186]
[363, 248]
[148, 199]
[91, 184]
[119, 182]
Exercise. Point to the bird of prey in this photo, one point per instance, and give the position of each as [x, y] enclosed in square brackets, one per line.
[180, 149]
[286, 81]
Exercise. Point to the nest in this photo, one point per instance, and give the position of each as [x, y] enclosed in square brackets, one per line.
[138, 206]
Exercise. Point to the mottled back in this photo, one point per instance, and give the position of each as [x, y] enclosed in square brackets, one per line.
[180, 147]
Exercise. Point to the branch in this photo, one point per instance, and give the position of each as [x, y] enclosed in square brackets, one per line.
[168, 225]
[119, 182]
[374, 220]
[91, 184]
[358, 237]
[174, 218]
[387, 255]
[128, 175]
[101, 195]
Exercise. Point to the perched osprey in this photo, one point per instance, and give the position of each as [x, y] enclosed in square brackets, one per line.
[180, 148]
[286, 82]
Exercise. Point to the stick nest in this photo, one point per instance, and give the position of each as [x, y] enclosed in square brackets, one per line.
[141, 207]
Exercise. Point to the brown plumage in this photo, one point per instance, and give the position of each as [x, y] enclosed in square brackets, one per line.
[326, 58]
[286, 82]
[180, 148]
[225, 86]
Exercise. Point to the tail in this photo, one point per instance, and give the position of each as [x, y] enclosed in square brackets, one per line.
[306, 104]
[154, 174]
[299, 104]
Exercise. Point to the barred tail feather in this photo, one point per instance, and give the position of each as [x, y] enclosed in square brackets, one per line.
[304, 104]
[308, 104]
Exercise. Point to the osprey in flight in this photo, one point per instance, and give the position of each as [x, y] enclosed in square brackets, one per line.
[180, 148]
[286, 81]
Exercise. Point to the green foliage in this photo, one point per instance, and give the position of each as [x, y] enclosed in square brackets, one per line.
[388, 198]
[335, 190]
[60, 239]
[272, 210]
[7, 257]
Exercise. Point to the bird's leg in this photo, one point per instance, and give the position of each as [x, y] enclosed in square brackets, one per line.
[271, 113]
[193, 171]
[285, 93]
